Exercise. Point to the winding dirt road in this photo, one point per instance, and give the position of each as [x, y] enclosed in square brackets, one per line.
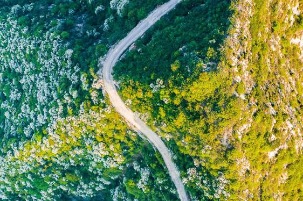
[107, 66]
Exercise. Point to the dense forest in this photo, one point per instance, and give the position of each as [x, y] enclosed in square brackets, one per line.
[229, 99]
[62, 35]
[60, 139]
[219, 80]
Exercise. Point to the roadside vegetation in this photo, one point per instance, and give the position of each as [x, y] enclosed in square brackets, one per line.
[219, 80]
[230, 99]
[56, 48]
[60, 139]
[168, 75]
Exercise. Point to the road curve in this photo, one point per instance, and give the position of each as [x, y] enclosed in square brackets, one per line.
[106, 68]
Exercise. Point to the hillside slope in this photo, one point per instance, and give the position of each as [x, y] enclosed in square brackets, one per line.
[236, 111]
[220, 80]
[59, 138]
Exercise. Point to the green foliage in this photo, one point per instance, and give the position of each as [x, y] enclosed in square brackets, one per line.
[133, 189]
[173, 71]
[38, 163]
[227, 99]
[236, 109]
